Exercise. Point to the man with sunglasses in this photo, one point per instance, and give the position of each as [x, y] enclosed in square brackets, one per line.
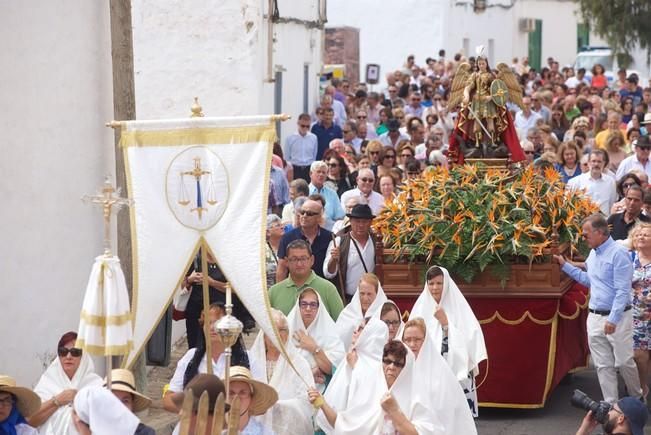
[627, 416]
[638, 161]
[309, 229]
[364, 189]
[301, 147]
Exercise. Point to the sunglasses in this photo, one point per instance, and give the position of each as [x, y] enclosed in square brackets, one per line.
[367, 180]
[396, 364]
[530, 152]
[74, 351]
[333, 165]
[389, 156]
[304, 125]
[309, 213]
[361, 117]
[374, 152]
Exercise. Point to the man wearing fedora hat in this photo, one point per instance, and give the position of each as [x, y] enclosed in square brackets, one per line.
[353, 253]
[16, 403]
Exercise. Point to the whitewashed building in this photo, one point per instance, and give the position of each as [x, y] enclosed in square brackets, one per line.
[57, 93]
[389, 31]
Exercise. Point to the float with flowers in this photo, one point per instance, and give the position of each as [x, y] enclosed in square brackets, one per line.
[495, 231]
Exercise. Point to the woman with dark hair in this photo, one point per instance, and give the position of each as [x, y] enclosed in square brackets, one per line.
[559, 122]
[390, 315]
[387, 161]
[338, 178]
[195, 359]
[385, 115]
[623, 184]
[627, 109]
[454, 327]
[71, 371]
[287, 167]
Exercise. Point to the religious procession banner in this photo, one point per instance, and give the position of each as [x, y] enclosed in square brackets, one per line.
[194, 181]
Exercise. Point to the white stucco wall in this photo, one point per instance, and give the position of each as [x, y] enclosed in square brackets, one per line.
[56, 89]
[391, 30]
[217, 50]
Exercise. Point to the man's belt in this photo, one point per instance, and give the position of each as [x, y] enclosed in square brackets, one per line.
[606, 312]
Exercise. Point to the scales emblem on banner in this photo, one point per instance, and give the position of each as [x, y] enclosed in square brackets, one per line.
[197, 188]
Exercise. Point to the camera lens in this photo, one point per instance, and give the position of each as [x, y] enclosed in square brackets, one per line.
[599, 409]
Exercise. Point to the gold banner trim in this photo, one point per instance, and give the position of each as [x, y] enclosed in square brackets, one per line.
[198, 136]
[104, 350]
[104, 321]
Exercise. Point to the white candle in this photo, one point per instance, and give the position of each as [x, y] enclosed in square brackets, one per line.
[228, 294]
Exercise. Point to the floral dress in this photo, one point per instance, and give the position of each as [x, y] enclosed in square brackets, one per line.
[641, 305]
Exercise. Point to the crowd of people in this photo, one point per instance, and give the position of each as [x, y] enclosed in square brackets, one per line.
[350, 363]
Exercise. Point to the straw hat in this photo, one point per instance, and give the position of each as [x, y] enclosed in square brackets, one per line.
[264, 396]
[122, 380]
[27, 401]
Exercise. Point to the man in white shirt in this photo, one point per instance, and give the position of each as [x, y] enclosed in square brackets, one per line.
[393, 136]
[638, 161]
[526, 119]
[597, 185]
[301, 147]
[352, 254]
[364, 189]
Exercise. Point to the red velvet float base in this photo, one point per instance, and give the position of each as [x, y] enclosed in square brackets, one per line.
[532, 344]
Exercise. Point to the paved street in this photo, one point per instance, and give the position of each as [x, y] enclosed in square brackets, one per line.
[558, 417]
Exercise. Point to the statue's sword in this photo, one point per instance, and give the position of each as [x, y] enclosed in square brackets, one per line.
[481, 124]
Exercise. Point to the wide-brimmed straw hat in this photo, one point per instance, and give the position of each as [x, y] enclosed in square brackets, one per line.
[27, 401]
[263, 397]
[122, 380]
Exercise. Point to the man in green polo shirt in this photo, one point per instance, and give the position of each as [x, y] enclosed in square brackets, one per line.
[284, 294]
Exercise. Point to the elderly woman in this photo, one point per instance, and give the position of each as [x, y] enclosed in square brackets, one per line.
[123, 387]
[314, 334]
[195, 360]
[292, 414]
[387, 186]
[16, 403]
[98, 412]
[275, 232]
[454, 328]
[256, 398]
[640, 238]
[366, 302]
[442, 395]
[71, 371]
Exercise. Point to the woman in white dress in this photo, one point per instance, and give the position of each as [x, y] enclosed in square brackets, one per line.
[366, 302]
[391, 316]
[313, 333]
[454, 328]
[71, 371]
[292, 413]
[437, 387]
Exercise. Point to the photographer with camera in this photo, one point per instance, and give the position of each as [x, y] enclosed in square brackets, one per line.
[627, 417]
[609, 274]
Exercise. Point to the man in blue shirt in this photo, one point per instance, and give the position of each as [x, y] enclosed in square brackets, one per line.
[333, 209]
[301, 147]
[326, 130]
[609, 271]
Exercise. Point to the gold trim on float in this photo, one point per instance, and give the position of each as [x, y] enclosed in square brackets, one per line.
[198, 136]
[94, 320]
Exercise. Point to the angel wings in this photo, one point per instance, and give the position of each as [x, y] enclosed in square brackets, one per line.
[504, 74]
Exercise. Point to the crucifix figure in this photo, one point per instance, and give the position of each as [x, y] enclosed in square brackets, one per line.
[109, 202]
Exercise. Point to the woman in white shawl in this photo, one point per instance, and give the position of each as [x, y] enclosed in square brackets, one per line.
[292, 413]
[435, 386]
[393, 406]
[71, 371]
[366, 302]
[391, 316]
[99, 412]
[454, 328]
[313, 332]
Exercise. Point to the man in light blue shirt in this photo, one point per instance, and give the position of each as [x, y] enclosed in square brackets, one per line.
[301, 147]
[609, 272]
[332, 209]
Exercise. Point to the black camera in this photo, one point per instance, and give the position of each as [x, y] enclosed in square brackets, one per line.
[599, 409]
